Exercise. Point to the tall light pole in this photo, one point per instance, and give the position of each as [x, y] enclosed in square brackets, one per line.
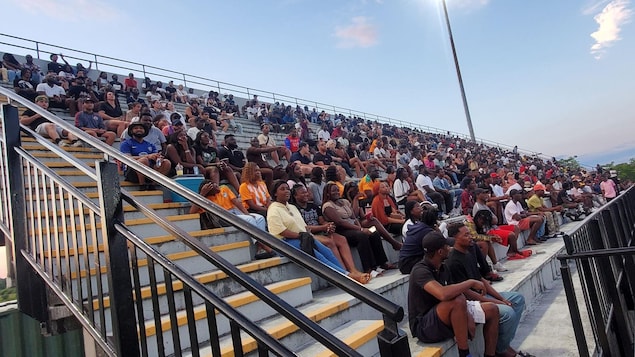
[458, 74]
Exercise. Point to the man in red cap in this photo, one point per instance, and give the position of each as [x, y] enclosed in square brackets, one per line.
[535, 203]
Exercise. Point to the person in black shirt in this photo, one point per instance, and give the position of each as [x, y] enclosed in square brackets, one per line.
[231, 154]
[25, 86]
[438, 311]
[322, 157]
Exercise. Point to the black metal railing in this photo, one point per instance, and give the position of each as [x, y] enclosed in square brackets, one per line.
[603, 250]
[81, 250]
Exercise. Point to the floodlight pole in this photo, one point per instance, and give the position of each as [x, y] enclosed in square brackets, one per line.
[458, 73]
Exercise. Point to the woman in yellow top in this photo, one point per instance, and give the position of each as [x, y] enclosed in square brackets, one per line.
[253, 190]
[286, 222]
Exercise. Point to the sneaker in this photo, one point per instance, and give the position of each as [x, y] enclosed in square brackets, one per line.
[499, 267]
[62, 144]
[77, 144]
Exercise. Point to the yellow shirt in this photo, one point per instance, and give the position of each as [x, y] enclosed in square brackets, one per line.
[281, 217]
[533, 203]
[366, 184]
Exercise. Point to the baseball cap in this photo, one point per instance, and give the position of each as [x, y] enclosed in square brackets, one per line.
[539, 187]
[434, 241]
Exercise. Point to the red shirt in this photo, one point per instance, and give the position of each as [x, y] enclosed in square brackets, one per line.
[130, 83]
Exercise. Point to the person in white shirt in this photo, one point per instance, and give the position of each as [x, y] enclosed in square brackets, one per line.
[324, 134]
[416, 163]
[516, 216]
[424, 184]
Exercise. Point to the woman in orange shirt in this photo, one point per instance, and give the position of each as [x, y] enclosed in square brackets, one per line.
[253, 190]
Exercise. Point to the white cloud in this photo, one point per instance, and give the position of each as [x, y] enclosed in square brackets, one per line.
[70, 11]
[610, 21]
[359, 33]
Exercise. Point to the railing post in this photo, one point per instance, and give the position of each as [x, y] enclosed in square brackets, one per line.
[37, 49]
[117, 262]
[393, 342]
[574, 310]
[31, 288]
[96, 63]
[184, 81]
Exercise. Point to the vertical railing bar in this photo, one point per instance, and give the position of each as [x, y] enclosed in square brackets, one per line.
[191, 321]
[32, 203]
[89, 278]
[56, 233]
[155, 306]
[236, 339]
[48, 226]
[138, 300]
[574, 310]
[212, 326]
[73, 238]
[174, 322]
[98, 277]
[67, 248]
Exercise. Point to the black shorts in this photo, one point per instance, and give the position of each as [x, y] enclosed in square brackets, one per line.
[429, 328]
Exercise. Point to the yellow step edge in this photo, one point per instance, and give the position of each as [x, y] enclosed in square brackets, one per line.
[100, 248]
[431, 352]
[103, 269]
[203, 278]
[130, 222]
[126, 208]
[201, 233]
[64, 164]
[35, 147]
[94, 184]
[286, 328]
[94, 194]
[359, 338]
[45, 155]
[235, 301]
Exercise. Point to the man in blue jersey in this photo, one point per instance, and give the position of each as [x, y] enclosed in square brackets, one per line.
[144, 152]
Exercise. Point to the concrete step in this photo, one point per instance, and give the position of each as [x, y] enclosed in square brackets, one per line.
[360, 335]
[295, 292]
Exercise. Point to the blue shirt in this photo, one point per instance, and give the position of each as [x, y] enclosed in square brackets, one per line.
[135, 148]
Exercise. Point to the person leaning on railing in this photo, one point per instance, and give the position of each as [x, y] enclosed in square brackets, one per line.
[44, 127]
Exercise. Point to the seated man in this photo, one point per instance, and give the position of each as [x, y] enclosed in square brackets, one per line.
[422, 219]
[266, 141]
[424, 184]
[437, 312]
[56, 95]
[536, 204]
[227, 121]
[516, 216]
[92, 123]
[231, 154]
[302, 157]
[44, 127]
[462, 266]
[450, 194]
[154, 135]
[130, 84]
[144, 152]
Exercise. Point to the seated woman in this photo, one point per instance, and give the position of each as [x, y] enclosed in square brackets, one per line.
[422, 219]
[295, 176]
[286, 222]
[385, 209]
[365, 215]
[352, 162]
[367, 241]
[404, 190]
[207, 156]
[332, 174]
[179, 151]
[253, 190]
[324, 231]
[225, 197]
[255, 153]
[110, 111]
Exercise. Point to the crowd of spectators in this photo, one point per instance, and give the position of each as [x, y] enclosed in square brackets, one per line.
[353, 183]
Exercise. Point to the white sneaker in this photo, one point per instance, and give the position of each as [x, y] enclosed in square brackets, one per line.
[62, 144]
[500, 267]
[77, 144]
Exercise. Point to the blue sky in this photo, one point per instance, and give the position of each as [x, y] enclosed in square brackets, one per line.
[534, 74]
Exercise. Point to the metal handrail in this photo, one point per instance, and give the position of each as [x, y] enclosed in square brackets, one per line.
[392, 312]
[220, 85]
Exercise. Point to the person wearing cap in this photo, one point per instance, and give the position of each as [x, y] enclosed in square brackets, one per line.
[535, 204]
[175, 125]
[421, 220]
[154, 136]
[462, 266]
[517, 216]
[144, 152]
[44, 127]
[608, 187]
[92, 123]
[438, 311]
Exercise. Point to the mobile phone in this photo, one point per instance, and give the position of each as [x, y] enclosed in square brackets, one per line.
[372, 229]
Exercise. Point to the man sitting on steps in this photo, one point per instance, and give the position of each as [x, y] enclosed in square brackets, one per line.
[144, 152]
[44, 127]
[438, 311]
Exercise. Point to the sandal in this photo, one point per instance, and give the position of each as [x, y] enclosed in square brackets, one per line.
[493, 277]
[516, 257]
[524, 354]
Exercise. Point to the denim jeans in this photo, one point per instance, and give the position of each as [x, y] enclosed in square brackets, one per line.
[254, 219]
[322, 253]
[509, 319]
